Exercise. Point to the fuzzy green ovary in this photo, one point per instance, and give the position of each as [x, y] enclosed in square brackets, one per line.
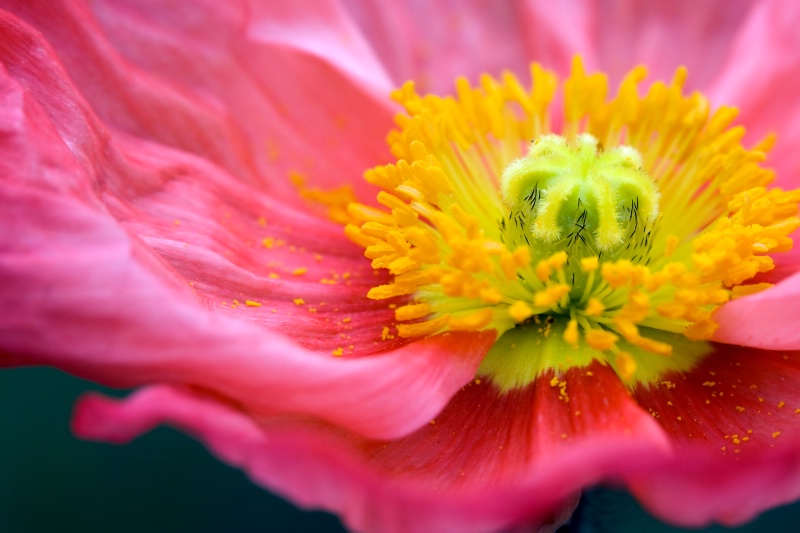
[556, 181]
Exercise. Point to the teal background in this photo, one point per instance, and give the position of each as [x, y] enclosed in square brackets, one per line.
[51, 482]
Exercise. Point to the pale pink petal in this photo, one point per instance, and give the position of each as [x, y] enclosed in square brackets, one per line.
[433, 43]
[766, 320]
[734, 421]
[322, 29]
[486, 462]
[664, 34]
[760, 77]
[552, 37]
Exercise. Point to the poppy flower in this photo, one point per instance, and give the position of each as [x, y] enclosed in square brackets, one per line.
[561, 287]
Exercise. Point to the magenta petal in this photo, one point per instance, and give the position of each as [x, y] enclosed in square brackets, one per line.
[734, 421]
[117, 255]
[244, 96]
[688, 493]
[487, 462]
[116, 319]
[312, 468]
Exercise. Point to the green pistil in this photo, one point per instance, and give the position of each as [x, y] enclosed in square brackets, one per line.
[558, 186]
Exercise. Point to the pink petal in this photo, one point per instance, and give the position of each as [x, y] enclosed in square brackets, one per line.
[487, 462]
[664, 35]
[734, 421]
[694, 492]
[766, 320]
[760, 77]
[434, 43]
[140, 300]
[114, 320]
[248, 103]
[552, 37]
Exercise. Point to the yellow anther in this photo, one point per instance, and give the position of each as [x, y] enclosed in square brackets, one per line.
[363, 213]
[474, 321]
[557, 260]
[520, 311]
[421, 329]
[594, 307]
[701, 330]
[491, 295]
[600, 339]
[543, 270]
[578, 239]
[617, 274]
[382, 292]
[336, 202]
[551, 295]
[401, 265]
[746, 290]
[546, 267]
[671, 246]
[510, 263]
[412, 311]
[571, 333]
[522, 256]
[509, 267]
[589, 264]
[626, 365]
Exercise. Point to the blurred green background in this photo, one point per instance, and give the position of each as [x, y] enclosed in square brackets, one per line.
[51, 482]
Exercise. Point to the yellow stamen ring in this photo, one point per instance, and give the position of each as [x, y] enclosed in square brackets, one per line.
[630, 227]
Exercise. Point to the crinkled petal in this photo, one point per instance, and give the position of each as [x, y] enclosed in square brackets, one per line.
[120, 255]
[735, 421]
[244, 96]
[114, 320]
[488, 461]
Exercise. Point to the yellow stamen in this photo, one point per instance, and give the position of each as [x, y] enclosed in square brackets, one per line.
[626, 365]
[625, 229]
[571, 333]
[475, 321]
[520, 311]
[595, 307]
[600, 339]
[412, 311]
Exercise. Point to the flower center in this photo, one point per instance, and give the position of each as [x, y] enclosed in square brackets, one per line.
[613, 241]
[559, 191]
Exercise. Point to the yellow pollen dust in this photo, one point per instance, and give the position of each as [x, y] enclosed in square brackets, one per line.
[612, 239]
